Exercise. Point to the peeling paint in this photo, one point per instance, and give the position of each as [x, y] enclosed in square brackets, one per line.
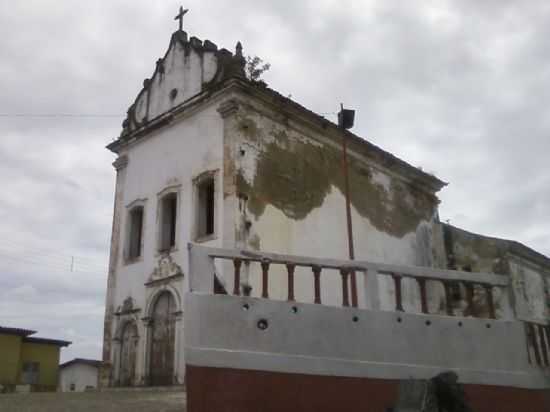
[254, 242]
[474, 253]
[295, 175]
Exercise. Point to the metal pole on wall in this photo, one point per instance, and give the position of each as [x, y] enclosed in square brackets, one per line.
[345, 121]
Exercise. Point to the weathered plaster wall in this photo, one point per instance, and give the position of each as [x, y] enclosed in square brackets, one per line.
[474, 253]
[120, 167]
[168, 159]
[178, 76]
[530, 289]
[289, 188]
[529, 271]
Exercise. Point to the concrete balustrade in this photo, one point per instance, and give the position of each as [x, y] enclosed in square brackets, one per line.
[202, 259]
[379, 344]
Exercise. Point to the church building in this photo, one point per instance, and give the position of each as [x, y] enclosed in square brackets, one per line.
[209, 157]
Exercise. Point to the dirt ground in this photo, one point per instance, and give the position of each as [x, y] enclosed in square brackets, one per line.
[119, 401]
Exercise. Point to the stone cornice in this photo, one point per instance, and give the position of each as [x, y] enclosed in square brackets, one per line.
[294, 112]
[289, 109]
[162, 281]
[228, 108]
[120, 163]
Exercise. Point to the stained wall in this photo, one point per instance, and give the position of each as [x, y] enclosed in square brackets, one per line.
[289, 198]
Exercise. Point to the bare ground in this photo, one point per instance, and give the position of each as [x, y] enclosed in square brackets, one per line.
[119, 401]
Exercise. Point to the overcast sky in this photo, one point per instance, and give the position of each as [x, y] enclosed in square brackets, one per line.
[459, 88]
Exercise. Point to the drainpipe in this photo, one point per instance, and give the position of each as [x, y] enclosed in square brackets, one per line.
[345, 121]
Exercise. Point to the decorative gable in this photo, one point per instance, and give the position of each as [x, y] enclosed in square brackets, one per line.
[189, 68]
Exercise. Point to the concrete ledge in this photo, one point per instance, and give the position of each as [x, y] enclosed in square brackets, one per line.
[225, 332]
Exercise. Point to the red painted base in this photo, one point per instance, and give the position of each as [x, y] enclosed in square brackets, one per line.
[233, 390]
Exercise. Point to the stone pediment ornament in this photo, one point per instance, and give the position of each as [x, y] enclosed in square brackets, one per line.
[127, 305]
[166, 268]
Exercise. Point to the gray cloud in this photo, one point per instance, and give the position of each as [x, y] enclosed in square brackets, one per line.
[459, 88]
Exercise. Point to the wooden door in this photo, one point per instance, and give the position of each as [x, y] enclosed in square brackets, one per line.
[161, 366]
[128, 348]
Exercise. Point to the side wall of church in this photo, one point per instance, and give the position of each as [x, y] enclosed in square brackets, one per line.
[167, 161]
[289, 195]
[529, 272]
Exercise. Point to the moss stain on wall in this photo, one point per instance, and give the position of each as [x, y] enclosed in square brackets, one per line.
[475, 253]
[295, 175]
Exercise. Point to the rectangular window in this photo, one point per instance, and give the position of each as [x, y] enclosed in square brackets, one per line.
[205, 191]
[168, 214]
[31, 373]
[136, 230]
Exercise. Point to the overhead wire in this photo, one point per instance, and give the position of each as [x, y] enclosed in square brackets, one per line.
[25, 244]
[51, 265]
[84, 115]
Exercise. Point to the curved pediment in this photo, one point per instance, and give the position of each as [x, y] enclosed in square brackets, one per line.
[188, 68]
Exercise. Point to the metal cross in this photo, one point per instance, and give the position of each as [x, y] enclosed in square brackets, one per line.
[180, 16]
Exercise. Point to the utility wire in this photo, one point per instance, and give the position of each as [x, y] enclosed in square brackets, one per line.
[52, 267]
[82, 115]
[74, 266]
[58, 261]
[62, 258]
[25, 245]
[58, 115]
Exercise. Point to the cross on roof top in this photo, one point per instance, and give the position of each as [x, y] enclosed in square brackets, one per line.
[180, 15]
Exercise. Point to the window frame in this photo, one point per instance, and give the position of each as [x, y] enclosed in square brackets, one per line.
[198, 181]
[168, 191]
[138, 203]
[30, 377]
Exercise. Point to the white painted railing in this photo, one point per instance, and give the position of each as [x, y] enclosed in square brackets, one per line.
[203, 277]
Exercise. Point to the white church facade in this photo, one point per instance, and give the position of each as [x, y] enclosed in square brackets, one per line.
[207, 156]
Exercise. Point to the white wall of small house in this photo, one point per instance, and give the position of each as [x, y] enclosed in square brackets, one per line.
[81, 375]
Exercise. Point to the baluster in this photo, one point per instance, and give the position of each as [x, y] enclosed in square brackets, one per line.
[247, 289]
[237, 280]
[265, 279]
[535, 343]
[490, 301]
[544, 348]
[529, 342]
[345, 298]
[423, 297]
[398, 298]
[353, 289]
[469, 298]
[448, 303]
[546, 334]
[317, 282]
[290, 269]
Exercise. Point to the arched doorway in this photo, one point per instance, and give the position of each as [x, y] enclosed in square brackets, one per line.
[128, 346]
[161, 364]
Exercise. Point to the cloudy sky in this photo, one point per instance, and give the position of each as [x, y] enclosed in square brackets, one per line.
[459, 88]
